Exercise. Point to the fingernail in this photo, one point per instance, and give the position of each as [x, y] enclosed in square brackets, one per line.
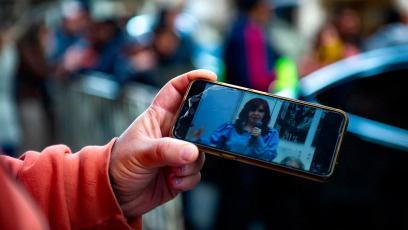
[187, 152]
[183, 168]
[177, 180]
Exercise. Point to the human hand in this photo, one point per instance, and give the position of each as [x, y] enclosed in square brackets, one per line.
[148, 168]
[256, 132]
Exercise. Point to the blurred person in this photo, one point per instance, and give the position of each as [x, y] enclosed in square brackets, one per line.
[104, 187]
[289, 45]
[337, 39]
[106, 38]
[173, 47]
[249, 57]
[135, 63]
[243, 136]
[393, 32]
[32, 93]
[10, 129]
[72, 28]
[169, 53]
[328, 48]
[95, 52]
[348, 25]
[250, 61]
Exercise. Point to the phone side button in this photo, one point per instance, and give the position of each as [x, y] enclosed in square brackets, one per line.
[228, 156]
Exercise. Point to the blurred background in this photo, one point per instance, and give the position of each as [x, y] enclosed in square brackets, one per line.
[79, 72]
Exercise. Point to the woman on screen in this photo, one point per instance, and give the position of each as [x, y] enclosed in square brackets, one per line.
[249, 135]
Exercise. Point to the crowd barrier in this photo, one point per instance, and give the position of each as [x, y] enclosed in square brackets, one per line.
[92, 110]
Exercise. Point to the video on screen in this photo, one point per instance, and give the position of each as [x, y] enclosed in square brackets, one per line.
[257, 126]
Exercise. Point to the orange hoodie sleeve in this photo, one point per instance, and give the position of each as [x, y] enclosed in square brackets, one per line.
[72, 189]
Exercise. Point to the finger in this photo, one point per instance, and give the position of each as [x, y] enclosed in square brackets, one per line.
[168, 152]
[184, 183]
[169, 98]
[190, 169]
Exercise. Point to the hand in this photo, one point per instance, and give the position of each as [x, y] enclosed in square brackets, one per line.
[256, 132]
[148, 168]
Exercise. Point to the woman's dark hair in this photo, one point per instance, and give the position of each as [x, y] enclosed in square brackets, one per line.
[252, 105]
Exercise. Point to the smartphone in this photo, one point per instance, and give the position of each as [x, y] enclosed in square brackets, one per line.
[254, 127]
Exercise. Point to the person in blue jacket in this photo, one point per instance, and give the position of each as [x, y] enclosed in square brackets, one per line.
[249, 135]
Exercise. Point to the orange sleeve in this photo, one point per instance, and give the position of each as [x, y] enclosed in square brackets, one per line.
[72, 189]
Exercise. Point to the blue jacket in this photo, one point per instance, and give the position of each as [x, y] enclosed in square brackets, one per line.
[227, 138]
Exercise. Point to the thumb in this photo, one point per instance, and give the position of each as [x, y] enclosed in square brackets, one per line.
[169, 152]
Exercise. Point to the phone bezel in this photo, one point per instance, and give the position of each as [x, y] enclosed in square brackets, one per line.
[260, 163]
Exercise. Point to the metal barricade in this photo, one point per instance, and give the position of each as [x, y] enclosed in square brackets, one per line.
[94, 109]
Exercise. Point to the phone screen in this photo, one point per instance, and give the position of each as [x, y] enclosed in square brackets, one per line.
[264, 128]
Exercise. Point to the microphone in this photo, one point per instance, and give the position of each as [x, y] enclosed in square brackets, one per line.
[252, 139]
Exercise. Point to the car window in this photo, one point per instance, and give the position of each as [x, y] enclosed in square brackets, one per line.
[382, 97]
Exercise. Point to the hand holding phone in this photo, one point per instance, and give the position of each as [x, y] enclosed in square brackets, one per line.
[278, 133]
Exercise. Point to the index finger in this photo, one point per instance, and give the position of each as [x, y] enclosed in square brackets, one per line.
[169, 98]
[171, 95]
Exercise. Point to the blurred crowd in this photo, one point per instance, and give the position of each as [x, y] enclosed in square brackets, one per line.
[81, 44]
[342, 37]
[36, 58]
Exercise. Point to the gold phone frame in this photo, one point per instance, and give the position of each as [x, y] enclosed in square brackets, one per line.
[260, 163]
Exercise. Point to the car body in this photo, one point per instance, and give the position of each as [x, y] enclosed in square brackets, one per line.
[367, 190]
[370, 88]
